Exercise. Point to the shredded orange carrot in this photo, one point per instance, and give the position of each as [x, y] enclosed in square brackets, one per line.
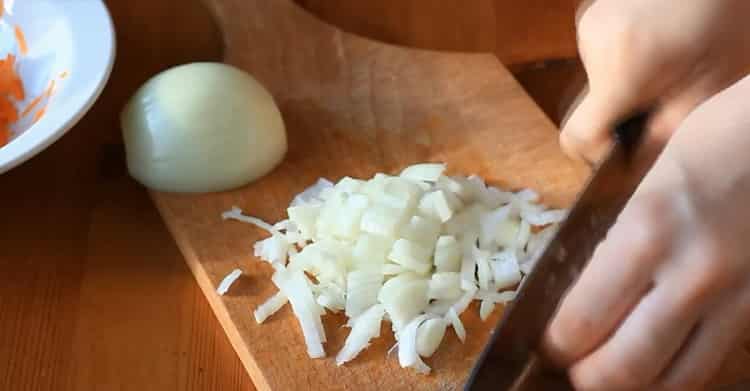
[21, 38]
[12, 91]
[10, 82]
[31, 105]
[10, 87]
[39, 114]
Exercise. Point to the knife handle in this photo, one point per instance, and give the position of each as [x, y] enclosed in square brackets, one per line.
[630, 132]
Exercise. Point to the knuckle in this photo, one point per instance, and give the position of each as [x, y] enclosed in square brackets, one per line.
[564, 336]
[713, 259]
[712, 267]
[624, 376]
[644, 226]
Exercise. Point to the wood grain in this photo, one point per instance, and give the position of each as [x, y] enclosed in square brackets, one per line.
[94, 295]
[515, 31]
[356, 107]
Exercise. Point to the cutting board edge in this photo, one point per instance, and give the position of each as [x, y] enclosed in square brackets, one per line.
[214, 300]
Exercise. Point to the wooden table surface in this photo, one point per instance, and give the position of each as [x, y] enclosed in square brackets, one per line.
[94, 295]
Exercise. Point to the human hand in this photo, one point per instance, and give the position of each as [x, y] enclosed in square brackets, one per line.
[666, 295]
[667, 54]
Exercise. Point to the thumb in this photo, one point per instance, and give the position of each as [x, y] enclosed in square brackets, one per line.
[587, 130]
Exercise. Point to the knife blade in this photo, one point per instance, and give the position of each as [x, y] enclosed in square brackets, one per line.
[510, 360]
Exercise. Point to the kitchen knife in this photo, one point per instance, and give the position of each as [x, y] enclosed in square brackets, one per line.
[510, 360]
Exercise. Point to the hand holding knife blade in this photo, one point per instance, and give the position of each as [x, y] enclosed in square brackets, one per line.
[511, 360]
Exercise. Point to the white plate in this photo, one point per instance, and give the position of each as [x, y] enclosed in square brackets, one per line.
[69, 41]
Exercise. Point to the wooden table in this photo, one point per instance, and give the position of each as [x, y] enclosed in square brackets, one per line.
[94, 295]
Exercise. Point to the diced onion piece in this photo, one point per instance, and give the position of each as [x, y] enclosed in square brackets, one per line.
[325, 259]
[285, 225]
[467, 220]
[539, 240]
[496, 297]
[484, 272]
[411, 302]
[527, 267]
[492, 197]
[347, 221]
[447, 254]
[462, 303]
[411, 256]
[507, 232]
[429, 335]
[296, 287]
[362, 289]
[428, 172]
[407, 346]
[527, 195]
[468, 269]
[490, 224]
[455, 186]
[228, 281]
[392, 269]
[329, 215]
[524, 233]
[440, 307]
[294, 237]
[485, 309]
[545, 217]
[304, 217]
[382, 220]
[458, 326]
[445, 286]
[370, 251]
[272, 249]
[236, 214]
[365, 327]
[331, 296]
[407, 191]
[505, 269]
[391, 288]
[313, 193]
[422, 230]
[437, 205]
[404, 297]
[349, 185]
[270, 306]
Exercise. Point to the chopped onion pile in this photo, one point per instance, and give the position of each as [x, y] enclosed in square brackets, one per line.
[414, 249]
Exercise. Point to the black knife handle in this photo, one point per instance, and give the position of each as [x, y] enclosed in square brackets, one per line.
[630, 132]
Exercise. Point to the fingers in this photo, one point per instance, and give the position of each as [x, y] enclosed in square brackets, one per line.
[618, 275]
[587, 132]
[712, 341]
[643, 345]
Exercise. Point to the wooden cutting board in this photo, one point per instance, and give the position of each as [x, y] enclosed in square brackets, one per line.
[356, 107]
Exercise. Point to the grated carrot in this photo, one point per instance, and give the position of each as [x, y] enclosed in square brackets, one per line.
[10, 87]
[21, 38]
[39, 114]
[31, 106]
